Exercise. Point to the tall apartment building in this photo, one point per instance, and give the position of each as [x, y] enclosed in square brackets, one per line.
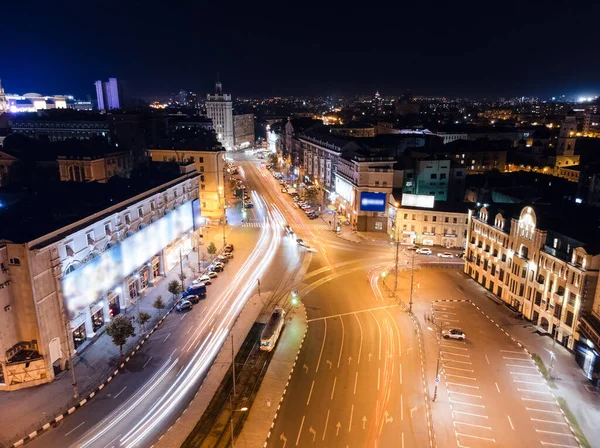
[3, 102]
[243, 130]
[525, 257]
[219, 110]
[109, 94]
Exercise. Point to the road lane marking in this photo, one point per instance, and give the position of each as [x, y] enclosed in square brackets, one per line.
[543, 410]
[120, 392]
[379, 327]
[350, 423]
[548, 421]
[300, 430]
[512, 351]
[326, 421]
[329, 363]
[76, 427]
[310, 393]
[525, 374]
[361, 337]
[535, 391]
[398, 332]
[456, 354]
[497, 388]
[402, 440]
[191, 326]
[342, 345]
[511, 423]
[454, 360]
[475, 437]
[556, 433]
[378, 376]
[355, 381]
[167, 337]
[333, 388]
[462, 393]
[322, 347]
[529, 382]
[521, 367]
[352, 312]
[401, 408]
[517, 359]
[473, 425]
[453, 347]
[461, 385]
[466, 404]
[458, 368]
[469, 413]
[464, 377]
[146, 363]
[400, 369]
[560, 445]
[537, 401]
[487, 359]
[110, 443]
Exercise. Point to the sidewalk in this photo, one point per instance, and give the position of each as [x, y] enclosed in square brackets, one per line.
[33, 407]
[348, 234]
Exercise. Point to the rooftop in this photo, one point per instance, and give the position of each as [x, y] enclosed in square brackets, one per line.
[58, 115]
[29, 211]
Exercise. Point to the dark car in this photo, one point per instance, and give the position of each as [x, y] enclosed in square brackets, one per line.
[223, 259]
[193, 298]
[184, 305]
[229, 247]
[217, 268]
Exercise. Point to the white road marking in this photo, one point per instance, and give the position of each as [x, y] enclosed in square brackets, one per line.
[535, 391]
[537, 401]
[110, 443]
[400, 368]
[469, 413]
[512, 351]
[521, 367]
[352, 312]
[456, 354]
[548, 421]
[474, 425]
[525, 374]
[462, 393]
[300, 430]
[322, 346]
[333, 388]
[510, 421]
[76, 427]
[475, 437]
[379, 327]
[191, 326]
[543, 410]
[355, 382]
[326, 421]
[361, 337]
[398, 332]
[560, 445]
[463, 377]
[518, 359]
[378, 377]
[310, 393]
[497, 388]
[350, 423]
[453, 347]
[458, 368]
[120, 392]
[466, 404]
[556, 433]
[341, 346]
[529, 382]
[167, 337]
[461, 385]
[487, 359]
[402, 440]
[146, 363]
[454, 360]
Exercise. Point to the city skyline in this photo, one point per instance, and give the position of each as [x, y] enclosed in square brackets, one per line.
[436, 50]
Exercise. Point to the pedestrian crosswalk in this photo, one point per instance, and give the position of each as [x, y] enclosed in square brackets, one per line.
[308, 226]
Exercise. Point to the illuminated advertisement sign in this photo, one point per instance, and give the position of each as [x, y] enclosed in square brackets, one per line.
[344, 189]
[87, 284]
[372, 202]
[418, 200]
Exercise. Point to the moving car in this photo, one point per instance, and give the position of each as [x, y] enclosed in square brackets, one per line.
[301, 242]
[415, 247]
[288, 230]
[424, 251]
[453, 334]
[445, 255]
[249, 205]
[184, 305]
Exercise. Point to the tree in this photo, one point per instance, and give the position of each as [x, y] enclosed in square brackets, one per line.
[174, 287]
[119, 329]
[273, 159]
[310, 194]
[159, 303]
[143, 317]
[211, 249]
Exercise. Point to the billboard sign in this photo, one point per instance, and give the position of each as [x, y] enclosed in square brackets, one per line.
[372, 202]
[96, 278]
[417, 200]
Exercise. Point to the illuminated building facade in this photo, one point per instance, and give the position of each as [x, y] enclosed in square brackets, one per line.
[58, 291]
[243, 130]
[33, 102]
[3, 102]
[109, 94]
[548, 277]
[219, 110]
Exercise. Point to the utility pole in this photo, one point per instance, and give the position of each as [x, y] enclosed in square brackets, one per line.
[412, 278]
[231, 420]
[397, 242]
[181, 267]
[232, 364]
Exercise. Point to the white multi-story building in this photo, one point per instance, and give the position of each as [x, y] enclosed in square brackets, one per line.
[219, 110]
[548, 277]
[58, 290]
[109, 94]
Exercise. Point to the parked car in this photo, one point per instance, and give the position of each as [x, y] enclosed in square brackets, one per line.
[301, 242]
[288, 230]
[229, 247]
[217, 267]
[212, 274]
[454, 334]
[313, 216]
[223, 259]
[249, 205]
[424, 251]
[445, 255]
[204, 279]
[193, 298]
[415, 247]
[184, 305]
[284, 190]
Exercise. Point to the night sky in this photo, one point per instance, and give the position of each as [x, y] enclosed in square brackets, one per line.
[433, 48]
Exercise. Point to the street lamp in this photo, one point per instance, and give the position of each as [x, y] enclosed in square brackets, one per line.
[244, 409]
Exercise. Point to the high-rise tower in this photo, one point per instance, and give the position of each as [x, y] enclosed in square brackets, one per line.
[3, 102]
[219, 110]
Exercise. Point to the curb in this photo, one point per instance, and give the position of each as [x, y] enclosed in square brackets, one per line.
[81, 403]
[526, 351]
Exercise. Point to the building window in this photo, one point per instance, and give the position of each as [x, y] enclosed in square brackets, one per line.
[434, 219]
[433, 230]
[201, 168]
[140, 212]
[426, 218]
[413, 218]
[201, 159]
[107, 230]
[152, 205]
[69, 251]
[434, 176]
[569, 319]
[14, 261]
[202, 186]
[127, 219]
[455, 220]
[406, 216]
[90, 238]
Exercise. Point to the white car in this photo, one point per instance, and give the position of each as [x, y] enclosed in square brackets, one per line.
[204, 279]
[453, 334]
[301, 242]
[424, 251]
[445, 255]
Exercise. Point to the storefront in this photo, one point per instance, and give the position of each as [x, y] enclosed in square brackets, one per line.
[97, 317]
[176, 250]
[79, 336]
[428, 239]
[155, 267]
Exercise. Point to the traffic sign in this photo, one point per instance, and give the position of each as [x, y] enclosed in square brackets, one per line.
[437, 380]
